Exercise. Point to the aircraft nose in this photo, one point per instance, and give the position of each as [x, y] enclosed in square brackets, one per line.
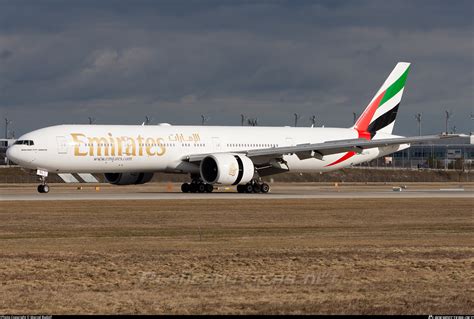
[12, 154]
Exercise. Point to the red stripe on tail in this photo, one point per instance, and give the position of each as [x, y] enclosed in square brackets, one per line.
[364, 120]
[362, 125]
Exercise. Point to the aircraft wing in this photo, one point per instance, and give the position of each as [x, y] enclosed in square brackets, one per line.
[318, 150]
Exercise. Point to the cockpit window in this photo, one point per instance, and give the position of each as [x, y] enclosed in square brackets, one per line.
[24, 142]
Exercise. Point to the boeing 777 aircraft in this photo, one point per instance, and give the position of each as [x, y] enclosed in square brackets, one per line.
[228, 155]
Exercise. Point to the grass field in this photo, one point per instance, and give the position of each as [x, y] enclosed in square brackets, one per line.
[338, 256]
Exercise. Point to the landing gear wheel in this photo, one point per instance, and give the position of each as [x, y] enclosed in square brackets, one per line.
[256, 188]
[193, 188]
[43, 188]
[241, 188]
[249, 188]
[185, 188]
[201, 187]
[264, 188]
[209, 188]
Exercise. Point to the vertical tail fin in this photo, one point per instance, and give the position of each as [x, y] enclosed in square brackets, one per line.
[380, 114]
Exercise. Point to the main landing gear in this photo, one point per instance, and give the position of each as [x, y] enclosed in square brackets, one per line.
[253, 187]
[197, 186]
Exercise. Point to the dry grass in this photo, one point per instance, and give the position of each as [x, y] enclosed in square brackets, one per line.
[231, 256]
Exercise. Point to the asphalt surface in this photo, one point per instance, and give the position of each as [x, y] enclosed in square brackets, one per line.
[281, 191]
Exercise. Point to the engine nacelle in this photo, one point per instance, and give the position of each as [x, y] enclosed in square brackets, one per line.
[128, 178]
[228, 169]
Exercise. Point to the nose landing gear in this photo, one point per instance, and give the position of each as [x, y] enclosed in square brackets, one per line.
[43, 187]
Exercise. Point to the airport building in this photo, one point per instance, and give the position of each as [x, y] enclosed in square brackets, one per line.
[453, 153]
[4, 144]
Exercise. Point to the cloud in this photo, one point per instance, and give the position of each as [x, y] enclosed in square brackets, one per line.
[5, 54]
[119, 61]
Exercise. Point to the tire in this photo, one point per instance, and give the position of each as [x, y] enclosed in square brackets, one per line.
[193, 188]
[185, 188]
[209, 188]
[45, 189]
[40, 189]
[256, 188]
[248, 188]
[241, 188]
[201, 187]
[265, 188]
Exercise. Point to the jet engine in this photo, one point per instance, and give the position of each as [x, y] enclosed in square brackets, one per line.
[229, 169]
[128, 178]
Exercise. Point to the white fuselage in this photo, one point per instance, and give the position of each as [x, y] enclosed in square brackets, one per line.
[132, 148]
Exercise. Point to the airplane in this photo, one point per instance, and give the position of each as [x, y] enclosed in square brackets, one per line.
[216, 155]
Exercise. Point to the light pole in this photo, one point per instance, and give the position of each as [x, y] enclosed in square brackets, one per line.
[448, 116]
[242, 119]
[472, 119]
[204, 119]
[7, 122]
[297, 117]
[253, 122]
[418, 119]
[148, 120]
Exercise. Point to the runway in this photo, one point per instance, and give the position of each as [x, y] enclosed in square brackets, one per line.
[283, 191]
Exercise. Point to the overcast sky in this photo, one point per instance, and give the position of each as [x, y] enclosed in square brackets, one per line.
[118, 61]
